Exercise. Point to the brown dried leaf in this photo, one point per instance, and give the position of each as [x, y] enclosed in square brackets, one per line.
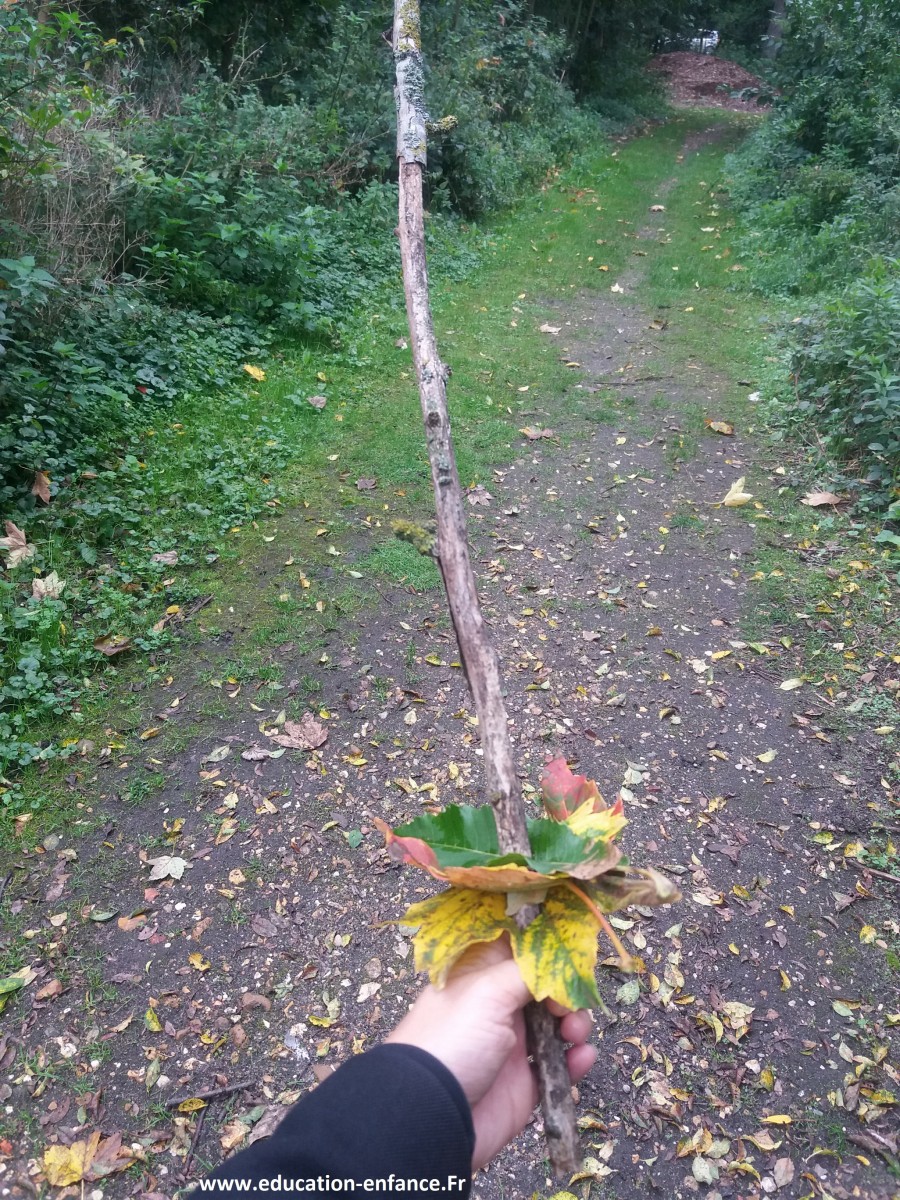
[305, 734]
[41, 486]
[18, 549]
[783, 1172]
[478, 494]
[112, 643]
[816, 499]
[49, 588]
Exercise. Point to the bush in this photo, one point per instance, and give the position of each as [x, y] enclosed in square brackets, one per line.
[846, 367]
[819, 183]
[77, 381]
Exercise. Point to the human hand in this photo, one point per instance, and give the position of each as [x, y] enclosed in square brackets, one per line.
[475, 1026]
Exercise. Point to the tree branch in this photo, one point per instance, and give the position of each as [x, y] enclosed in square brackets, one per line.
[476, 652]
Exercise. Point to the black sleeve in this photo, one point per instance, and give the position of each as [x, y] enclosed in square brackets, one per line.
[393, 1114]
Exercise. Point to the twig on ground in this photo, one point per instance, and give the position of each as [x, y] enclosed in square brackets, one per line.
[210, 1093]
[881, 874]
[195, 1140]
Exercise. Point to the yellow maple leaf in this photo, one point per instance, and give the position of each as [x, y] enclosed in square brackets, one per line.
[66, 1165]
[451, 922]
[606, 824]
[736, 497]
[557, 953]
[256, 373]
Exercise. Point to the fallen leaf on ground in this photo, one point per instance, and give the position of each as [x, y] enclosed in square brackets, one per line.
[49, 588]
[723, 427]
[41, 486]
[545, 328]
[735, 497]
[256, 373]
[259, 753]
[217, 755]
[168, 558]
[68, 1165]
[168, 867]
[783, 1172]
[317, 401]
[815, 499]
[366, 485]
[478, 494]
[112, 643]
[18, 548]
[305, 734]
[535, 434]
[790, 684]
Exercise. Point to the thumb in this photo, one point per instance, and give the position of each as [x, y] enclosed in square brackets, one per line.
[502, 986]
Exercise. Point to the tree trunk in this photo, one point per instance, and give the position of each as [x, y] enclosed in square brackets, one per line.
[476, 652]
[772, 44]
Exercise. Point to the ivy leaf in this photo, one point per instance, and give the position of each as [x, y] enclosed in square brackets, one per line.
[562, 792]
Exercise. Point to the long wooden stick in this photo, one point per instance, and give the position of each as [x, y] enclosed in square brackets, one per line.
[477, 654]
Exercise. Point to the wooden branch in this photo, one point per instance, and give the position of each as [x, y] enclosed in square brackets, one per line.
[476, 652]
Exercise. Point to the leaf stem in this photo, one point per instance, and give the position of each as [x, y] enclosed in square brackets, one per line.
[624, 957]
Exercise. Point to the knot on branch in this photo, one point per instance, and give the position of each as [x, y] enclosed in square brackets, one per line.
[423, 537]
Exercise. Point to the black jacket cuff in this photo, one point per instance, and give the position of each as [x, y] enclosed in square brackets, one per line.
[393, 1114]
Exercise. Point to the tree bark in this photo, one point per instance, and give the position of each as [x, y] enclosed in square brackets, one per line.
[477, 654]
[775, 32]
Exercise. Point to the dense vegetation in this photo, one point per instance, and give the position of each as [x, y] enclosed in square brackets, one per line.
[819, 186]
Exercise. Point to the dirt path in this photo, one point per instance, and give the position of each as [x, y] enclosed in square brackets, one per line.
[752, 1055]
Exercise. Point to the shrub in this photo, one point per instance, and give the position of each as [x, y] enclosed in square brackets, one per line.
[77, 381]
[846, 365]
[819, 183]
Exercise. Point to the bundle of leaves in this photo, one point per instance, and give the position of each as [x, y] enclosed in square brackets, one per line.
[575, 871]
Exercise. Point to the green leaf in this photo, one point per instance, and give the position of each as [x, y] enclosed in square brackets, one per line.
[554, 847]
[460, 836]
[629, 992]
[19, 979]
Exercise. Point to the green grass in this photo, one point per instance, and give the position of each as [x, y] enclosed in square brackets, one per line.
[400, 563]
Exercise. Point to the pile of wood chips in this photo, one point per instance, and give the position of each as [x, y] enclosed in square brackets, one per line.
[705, 81]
